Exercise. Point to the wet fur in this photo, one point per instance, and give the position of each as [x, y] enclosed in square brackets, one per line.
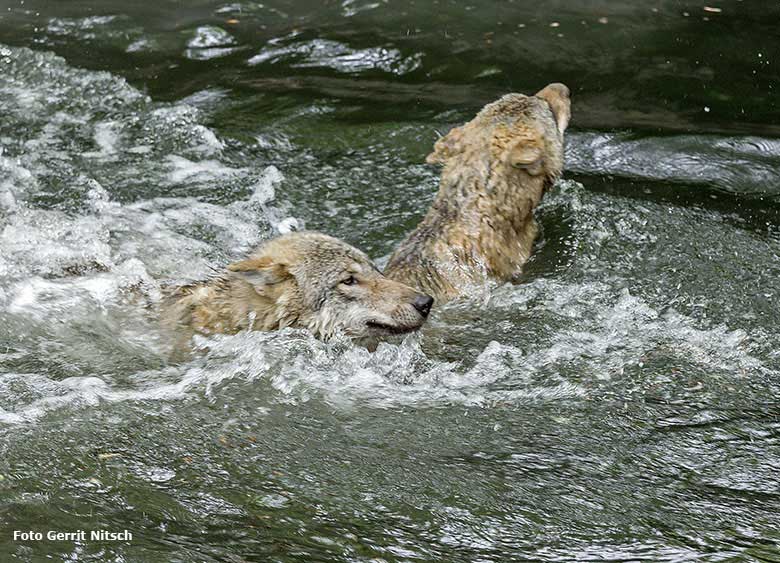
[296, 280]
[496, 169]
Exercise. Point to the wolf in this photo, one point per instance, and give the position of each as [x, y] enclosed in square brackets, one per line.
[496, 168]
[300, 279]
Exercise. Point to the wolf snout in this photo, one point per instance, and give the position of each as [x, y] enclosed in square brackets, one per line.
[423, 304]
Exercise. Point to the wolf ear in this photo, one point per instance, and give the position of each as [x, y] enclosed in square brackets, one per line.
[557, 96]
[447, 146]
[526, 157]
[261, 271]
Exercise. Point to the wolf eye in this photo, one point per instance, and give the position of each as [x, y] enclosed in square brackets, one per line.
[351, 280]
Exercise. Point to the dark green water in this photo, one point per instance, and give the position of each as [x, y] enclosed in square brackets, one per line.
[621, 404]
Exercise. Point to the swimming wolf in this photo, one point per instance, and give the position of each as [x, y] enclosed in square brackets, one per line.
[496, 169]
[301, 279]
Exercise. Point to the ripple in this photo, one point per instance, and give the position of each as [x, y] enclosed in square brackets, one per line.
[324, 53]
[745, 165]
[619, 403]
[209, 42]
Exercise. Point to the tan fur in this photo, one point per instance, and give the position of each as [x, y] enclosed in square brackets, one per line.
[496, 169]
[306, 280]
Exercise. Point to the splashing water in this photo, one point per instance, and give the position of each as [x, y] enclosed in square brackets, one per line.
[618, 403]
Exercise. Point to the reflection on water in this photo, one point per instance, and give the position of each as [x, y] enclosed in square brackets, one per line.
[655, 67]
[619, 404]
[331, 54]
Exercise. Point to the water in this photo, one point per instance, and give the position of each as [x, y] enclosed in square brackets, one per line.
[619, 404]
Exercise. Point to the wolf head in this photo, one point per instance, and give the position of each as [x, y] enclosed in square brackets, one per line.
[522, 135]
[318, 282]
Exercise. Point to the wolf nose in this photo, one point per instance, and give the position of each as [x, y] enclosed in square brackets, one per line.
[423, 304]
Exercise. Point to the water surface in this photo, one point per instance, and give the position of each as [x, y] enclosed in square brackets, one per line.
[621, 403]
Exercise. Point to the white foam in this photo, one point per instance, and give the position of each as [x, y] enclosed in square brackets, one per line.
[50, 242]
[338, 56]
[68, 273]
[264, 189]
[210, 36]
[141, 45]
[202, 171]
[288, 225]
[39, 298]
[209, 42]
[16, 182]
[107, 140]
